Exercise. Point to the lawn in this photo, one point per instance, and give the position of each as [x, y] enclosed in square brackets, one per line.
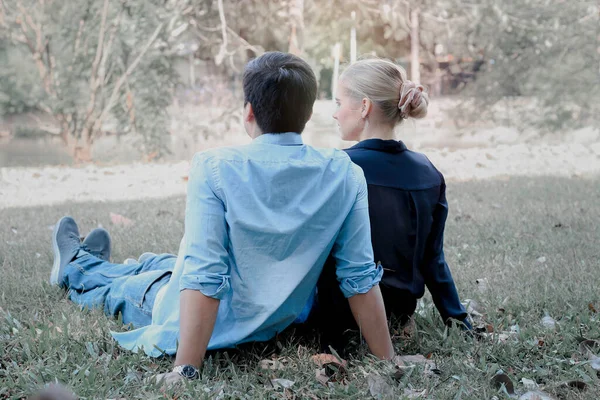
[531, 243]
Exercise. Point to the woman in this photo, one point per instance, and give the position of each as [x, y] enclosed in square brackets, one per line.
[407, 199]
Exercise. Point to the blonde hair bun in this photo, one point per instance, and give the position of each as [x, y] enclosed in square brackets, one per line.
[413, 101]
[386, 85]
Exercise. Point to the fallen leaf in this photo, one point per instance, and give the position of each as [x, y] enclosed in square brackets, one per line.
[502, 337]
[595, 362]
[412, 360]
[548, 322]
[54, 392]
[592, 308]
[482, 284]
[414, 394]
[588, 346]
[473, 308]
[118, 219]
[378, 387]
[502, 380]
[407, 360]
[282, 383]
[536, 395]
[323, 358]
[36, 175]
[321, 376]
[579, 385]
[529, 384]
[272, 365]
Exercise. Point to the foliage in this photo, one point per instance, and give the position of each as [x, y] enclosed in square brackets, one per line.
[91, 58]
[540, 49]
[18, 91]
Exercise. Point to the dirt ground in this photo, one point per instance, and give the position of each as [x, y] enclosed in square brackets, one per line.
[35, 173]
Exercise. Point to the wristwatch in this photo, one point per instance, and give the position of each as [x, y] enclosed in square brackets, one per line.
[187, 371]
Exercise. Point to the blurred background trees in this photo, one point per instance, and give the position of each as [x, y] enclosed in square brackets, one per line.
[116, 66]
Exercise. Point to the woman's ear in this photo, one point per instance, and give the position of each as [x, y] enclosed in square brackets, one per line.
[367, 105]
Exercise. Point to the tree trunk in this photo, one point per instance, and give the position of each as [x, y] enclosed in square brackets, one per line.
[296, 45]
[415, 65]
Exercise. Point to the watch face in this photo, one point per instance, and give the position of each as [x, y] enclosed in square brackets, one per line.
[189, 372]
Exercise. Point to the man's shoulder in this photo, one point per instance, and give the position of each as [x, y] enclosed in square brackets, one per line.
[330, 153]
[219, 154]
[247, 152]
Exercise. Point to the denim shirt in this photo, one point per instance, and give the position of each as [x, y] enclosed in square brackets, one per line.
[408, 215]
[261, 220]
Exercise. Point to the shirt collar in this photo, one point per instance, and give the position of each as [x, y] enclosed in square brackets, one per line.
[282, 139]
[388, 146]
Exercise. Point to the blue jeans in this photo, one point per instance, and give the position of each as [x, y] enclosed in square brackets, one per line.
[129, 290]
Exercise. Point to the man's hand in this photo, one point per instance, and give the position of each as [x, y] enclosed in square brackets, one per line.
[169, 379]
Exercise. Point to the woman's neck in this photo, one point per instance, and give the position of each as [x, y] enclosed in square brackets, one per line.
[378, 132]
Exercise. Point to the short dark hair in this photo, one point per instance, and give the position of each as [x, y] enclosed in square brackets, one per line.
[282, 89]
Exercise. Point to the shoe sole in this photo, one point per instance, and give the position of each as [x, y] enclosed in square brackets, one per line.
[55, 273]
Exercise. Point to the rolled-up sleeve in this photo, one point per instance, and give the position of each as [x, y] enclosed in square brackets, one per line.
[355, 268]
[206, 259]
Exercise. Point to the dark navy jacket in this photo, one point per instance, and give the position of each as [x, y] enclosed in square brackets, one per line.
[408, 210]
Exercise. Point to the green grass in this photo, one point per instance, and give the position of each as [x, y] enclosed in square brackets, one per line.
[496, 230]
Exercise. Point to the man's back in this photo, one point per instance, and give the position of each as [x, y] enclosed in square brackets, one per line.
[267, 216]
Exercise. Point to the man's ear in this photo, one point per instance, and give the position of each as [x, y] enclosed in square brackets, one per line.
[248, 113]
[367, 106]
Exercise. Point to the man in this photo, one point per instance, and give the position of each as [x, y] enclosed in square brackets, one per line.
[260, 221]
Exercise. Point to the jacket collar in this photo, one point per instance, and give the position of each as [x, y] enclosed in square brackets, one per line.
[388, 146]
[282, 139]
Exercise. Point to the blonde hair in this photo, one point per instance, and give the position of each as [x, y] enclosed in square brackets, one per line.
[385, 84]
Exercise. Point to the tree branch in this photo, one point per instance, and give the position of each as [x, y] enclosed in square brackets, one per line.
[94, 81]
[109, 105]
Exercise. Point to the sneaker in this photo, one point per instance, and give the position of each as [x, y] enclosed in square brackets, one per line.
[66, 245]
[97, 243]
[130, 261]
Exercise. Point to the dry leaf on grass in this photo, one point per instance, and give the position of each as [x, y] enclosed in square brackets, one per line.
[588, 348]
[415, 394]
[482, 284]
[272, 365]
[409, 361]
[502, 337]
[282, 383]
[378, 387]
[119, 220]
[55, 392]
[502, 380]
[331, 368]
[579, 385]
[322, 359]
[536, 395]
[321, 376]
[548, 322]
[529, 384]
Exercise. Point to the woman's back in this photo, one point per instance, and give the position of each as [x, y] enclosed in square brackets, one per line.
[405, 190]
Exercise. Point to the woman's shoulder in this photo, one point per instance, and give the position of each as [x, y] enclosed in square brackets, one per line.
[409, 170]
